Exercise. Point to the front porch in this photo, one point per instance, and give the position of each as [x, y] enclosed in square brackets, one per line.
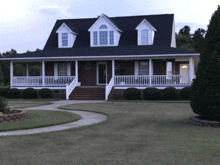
[119, 74]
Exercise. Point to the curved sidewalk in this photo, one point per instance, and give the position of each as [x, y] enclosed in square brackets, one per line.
[87, 118]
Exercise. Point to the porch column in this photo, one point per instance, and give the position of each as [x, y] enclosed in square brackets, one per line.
[11, 73]
[27, 69]
[43, 73]
[150, 70]
[191, 70]
[76, 70]
[113, 68]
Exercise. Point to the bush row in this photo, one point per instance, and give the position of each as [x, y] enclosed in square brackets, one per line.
[28, 93]
[169, 93]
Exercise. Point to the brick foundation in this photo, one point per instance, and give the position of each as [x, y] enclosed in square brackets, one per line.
[14, 117]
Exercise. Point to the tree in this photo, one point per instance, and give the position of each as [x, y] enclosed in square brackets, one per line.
[5, 68]
[205, 100]
[184, 40]
[199, 40]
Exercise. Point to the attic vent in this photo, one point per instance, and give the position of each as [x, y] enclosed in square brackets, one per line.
[103, 27]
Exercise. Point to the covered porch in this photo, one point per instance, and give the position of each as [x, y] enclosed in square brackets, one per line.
[109, 73]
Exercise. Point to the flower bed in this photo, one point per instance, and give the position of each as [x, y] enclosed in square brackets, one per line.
[14, 115]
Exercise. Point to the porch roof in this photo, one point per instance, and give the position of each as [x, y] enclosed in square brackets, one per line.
[148, 51]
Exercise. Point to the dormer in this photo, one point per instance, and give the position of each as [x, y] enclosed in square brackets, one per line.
[145, 33]
[104, 33]
[66, 37]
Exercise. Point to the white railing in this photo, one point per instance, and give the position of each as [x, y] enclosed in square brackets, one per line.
[71, 87]
[37, 80]
[58, 80]
[158, 80]
[27, 81]
[132, 80]
[108, 88]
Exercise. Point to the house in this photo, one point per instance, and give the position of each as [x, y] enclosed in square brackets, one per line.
[97, 58]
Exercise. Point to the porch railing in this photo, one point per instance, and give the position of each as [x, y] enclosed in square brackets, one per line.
[131, 80]
[108, 88]
[37, 80]
[71, 87]
[58, 80]
[27, 81]
[158, 80]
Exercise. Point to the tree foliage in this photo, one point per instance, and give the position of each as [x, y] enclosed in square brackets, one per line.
[205, 100]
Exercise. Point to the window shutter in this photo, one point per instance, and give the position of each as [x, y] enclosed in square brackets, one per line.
[68, 69]
[56, 71]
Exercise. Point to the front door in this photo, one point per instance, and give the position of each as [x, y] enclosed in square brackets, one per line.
[101, 73]
[184, 71]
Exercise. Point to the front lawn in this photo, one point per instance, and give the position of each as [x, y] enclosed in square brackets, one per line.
[40, 118]
[141, 133]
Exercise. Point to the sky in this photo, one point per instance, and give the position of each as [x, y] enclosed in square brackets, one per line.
[27, 24]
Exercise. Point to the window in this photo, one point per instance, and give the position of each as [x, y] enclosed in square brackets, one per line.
[95, 38]
[103, 27]
[64, 39]
[144, 37]
[62, 69]
[144, 68]
[111, 37]
[103, 38]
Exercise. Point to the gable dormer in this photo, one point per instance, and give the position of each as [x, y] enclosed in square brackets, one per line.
[66, 37]
[104, 33]
[145, 33]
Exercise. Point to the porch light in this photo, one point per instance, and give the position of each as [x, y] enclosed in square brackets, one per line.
[184, 66]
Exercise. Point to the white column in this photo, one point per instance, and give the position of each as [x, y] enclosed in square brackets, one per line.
[113, 68]
[11, 73]
[76, 69]
[150, 70]
[27, 69]
[191, 70]
[43, 73]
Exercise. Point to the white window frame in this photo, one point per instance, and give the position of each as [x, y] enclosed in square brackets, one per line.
[109, 36]
[141, 69]
[65, 39]
[144, 37]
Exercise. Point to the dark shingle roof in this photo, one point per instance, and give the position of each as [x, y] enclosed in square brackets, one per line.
[127, 43]
[104, 51]
[162, 23]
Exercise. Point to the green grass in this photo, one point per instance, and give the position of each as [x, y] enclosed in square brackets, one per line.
[26, 103]
[40, 118]
[141, 132]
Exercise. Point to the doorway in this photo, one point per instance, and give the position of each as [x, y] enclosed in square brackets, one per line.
[101, 73]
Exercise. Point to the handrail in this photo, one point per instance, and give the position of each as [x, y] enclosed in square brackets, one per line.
[71, 87]
[109, 87]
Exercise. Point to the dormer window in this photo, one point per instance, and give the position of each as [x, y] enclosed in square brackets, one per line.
[145, 33]
[64, 39]
[104, 33]
[144, 37]
[103, 37]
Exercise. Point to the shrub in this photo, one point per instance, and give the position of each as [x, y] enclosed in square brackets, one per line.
[4, 92]
[170, 93]
[45, 93]
[152, 94]
[132, 94]
[186, 93]
[29, 93]
[205, 99]
[14, 93]
[3, 103]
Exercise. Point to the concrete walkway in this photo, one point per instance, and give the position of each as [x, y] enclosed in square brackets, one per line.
[87, 118]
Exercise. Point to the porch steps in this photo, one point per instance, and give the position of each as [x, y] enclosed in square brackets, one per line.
[88, 93]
